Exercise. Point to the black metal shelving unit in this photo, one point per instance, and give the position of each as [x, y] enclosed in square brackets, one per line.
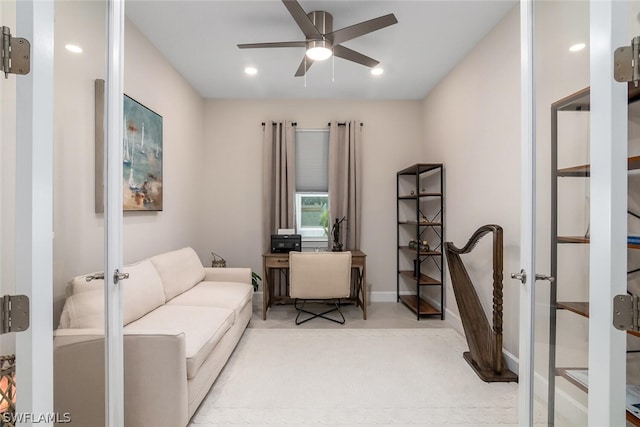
[579, 102]
[413, 198]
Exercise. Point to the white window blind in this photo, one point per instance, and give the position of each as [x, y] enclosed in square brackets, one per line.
[312, 155]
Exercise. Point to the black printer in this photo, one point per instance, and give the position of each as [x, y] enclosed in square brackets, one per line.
[284, 243]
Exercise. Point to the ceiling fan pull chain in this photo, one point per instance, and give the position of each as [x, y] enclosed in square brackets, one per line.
[333, 66]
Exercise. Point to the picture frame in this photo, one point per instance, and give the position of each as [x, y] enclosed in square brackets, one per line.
[142, 155]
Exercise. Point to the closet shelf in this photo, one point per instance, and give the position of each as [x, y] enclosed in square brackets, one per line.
[633, 163]
[586, 240]
[569, 375]
[582, 308]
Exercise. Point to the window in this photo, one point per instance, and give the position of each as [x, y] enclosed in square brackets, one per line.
[312, 215]
[312, 198]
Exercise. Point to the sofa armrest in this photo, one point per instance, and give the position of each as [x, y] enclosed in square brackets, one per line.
[155, 377]
[242, 275]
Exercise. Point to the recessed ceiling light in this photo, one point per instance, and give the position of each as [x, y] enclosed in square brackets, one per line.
[252, 71]
[377, 71]
[73, 48]
[577, 47]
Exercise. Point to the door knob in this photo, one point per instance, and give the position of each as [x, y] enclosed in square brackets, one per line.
[543, 277]
[522, 276]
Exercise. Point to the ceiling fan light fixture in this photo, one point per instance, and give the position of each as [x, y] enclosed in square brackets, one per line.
[377, 71]
[319, 50]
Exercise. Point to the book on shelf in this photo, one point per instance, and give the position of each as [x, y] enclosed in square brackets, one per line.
[633, 399]
[633, 390]
[633, 240]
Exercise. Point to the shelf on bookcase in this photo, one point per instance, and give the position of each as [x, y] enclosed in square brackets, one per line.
[426, 309]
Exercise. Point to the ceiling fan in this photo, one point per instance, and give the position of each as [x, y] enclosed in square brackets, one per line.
[321, 41]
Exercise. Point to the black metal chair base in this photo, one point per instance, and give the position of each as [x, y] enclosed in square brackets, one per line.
[314, 315]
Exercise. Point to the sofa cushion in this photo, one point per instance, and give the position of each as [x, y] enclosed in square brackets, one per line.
[231, 295]
[80, 284]
[179, 270]
[84, 310]
[142, 292]
[203, 328]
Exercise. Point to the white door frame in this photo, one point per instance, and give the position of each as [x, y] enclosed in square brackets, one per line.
[608, 248]
[114, 363]
[34, 209]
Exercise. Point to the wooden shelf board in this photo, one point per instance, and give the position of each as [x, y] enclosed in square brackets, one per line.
[425, 253]
[563, 372]
[573, 239]
[420, 168]
[426, 309]
[415, 196]
[424, 279]
[578, 307]
[578, 101]
[426, 224]
[586, 240]
[633, 163]
[581, 100]
[582, 308]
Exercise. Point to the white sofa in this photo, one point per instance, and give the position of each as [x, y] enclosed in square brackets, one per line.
[182, 322]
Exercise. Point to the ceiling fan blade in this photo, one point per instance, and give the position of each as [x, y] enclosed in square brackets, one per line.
[352, 55]
[304, 66]
[274, 44]
[301, 18]
[357, 30]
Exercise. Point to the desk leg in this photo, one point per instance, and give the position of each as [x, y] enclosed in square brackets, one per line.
[363, 289]
[266, 285]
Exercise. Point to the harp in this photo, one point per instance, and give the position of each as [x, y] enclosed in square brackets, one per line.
[484, 340]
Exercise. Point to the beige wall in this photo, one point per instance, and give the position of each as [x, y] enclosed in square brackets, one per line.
[78, 242]
[233, 174]
[472, 124]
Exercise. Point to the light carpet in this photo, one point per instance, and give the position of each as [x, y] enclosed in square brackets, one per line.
[334, 377]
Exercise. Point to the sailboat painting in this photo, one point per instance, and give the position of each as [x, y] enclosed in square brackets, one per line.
[141, 158]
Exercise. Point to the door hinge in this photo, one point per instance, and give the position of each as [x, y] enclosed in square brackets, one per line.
[625, 312]
[16, 54]
[626, 66]
[14, 313]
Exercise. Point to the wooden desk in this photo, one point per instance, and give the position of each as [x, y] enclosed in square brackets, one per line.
[271, 262]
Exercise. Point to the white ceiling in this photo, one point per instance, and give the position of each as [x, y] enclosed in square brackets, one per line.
[199, 38]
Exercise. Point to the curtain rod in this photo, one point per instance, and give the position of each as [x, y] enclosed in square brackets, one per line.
[328, 124]
[292, 124]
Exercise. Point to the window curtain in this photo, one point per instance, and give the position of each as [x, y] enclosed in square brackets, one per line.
[278, 181]
[345, 181]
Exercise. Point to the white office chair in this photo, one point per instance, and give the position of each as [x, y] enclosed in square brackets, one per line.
[319, 276]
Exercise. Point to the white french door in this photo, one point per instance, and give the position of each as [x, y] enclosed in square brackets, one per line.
[26, 170]
[574, 213]
[114, 360]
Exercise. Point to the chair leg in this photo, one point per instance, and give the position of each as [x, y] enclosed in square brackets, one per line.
[314, 315]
